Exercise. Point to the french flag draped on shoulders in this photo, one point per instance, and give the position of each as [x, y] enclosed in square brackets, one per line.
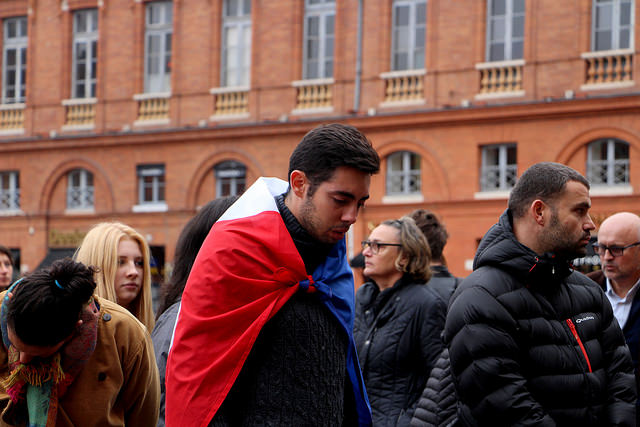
[247, 269]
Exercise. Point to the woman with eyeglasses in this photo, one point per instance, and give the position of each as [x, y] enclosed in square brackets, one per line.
[398, 320]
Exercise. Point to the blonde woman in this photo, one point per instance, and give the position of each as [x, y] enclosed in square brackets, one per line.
[122, 257]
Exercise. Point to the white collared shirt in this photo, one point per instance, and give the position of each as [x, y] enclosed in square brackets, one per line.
[621, 306]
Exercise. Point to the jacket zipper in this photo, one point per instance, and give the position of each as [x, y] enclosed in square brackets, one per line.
[577, 337]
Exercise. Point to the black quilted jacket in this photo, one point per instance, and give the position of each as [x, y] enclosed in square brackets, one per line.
[437, 405]
[533, 343]
[398, 336]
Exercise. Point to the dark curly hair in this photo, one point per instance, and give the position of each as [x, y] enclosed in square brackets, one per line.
[46, 304]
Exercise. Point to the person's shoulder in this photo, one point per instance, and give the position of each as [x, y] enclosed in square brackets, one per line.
[118, 318]
[167, 319]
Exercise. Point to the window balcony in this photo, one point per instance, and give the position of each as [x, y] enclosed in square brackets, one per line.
[230, 102]
[153, 108]
[80, 113]
[404, 87]
[608, 69]
[500, 79]
[11, 119]
[313, 96]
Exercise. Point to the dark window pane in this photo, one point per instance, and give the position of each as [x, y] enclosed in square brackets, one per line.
[498, 7]
[402, 16]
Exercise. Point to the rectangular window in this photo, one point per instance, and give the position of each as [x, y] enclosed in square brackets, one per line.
[157, 46]
[85, 53]
[403, 173]
[14, 60]
[150, 184]
[612, 24]
[499, 167]
[319, 36]
[409, 34]
[80, 189]
[236, 43]
[9, 191]
[505, 30]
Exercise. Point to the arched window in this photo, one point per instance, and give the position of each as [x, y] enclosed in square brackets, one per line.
[80, 189]
[608, 162]
[230, 178]
[403, 173]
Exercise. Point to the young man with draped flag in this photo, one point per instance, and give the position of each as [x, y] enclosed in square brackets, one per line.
[264, 332]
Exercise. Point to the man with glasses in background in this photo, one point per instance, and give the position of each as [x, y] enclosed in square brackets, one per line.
[619, 250]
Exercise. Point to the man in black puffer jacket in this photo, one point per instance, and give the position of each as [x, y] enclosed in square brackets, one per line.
[531, 342]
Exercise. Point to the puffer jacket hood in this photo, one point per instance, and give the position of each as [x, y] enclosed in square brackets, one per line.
[500, 248]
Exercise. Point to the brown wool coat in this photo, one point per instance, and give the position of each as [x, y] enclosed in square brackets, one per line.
[118, 386]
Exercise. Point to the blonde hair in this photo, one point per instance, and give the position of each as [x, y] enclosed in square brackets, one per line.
[414, 256]
[100, 249]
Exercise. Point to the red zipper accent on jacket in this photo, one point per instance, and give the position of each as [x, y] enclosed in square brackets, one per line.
[577, 337]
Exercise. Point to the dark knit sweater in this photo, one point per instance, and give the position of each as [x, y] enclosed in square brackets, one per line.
[296, 371]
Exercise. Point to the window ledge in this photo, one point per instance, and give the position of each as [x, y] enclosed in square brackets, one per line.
[305, 111]
[403, 73]
[153, 122]
[150, 207]
[11, 212]
[496, 95]
[498, 194]
[80, 211]
[605, 53]
[9, 132]
[222, 117]
[312, 82]
[604, 86]
[153, 95]
[404, 103]
[79, 101]
[71, 128]
[403, 198]
[610, 190]
[17, 106]
[499, 64]
[228, 89]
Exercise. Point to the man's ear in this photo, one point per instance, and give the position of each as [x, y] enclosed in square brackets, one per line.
[299, 183]
[540, 212]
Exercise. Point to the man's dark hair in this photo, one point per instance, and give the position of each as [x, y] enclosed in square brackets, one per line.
[189, 243]
[40, 312]
[433, 230]
[545, 181]
[328, 147]
[7, 252]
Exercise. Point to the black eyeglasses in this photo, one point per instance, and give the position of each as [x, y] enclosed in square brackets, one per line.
[613, 250]
[375, 246]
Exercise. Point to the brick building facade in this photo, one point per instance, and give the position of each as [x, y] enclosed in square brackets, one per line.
[143, 111]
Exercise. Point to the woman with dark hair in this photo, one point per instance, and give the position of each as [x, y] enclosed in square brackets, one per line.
[398, 320]
[6, 267]
[189, 242]
[70, 358]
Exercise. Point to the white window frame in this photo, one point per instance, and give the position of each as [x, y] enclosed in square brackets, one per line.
[504, 170]
[614, 26]
[18, 44]
[610, 163]
[163, 32]
[87, 39]
[406, 175]
[236, 73]
[157, 184]
[509, 38]
[412, 29]
[9, 197]
[323, 10]
[232, 173]
[80, 197]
